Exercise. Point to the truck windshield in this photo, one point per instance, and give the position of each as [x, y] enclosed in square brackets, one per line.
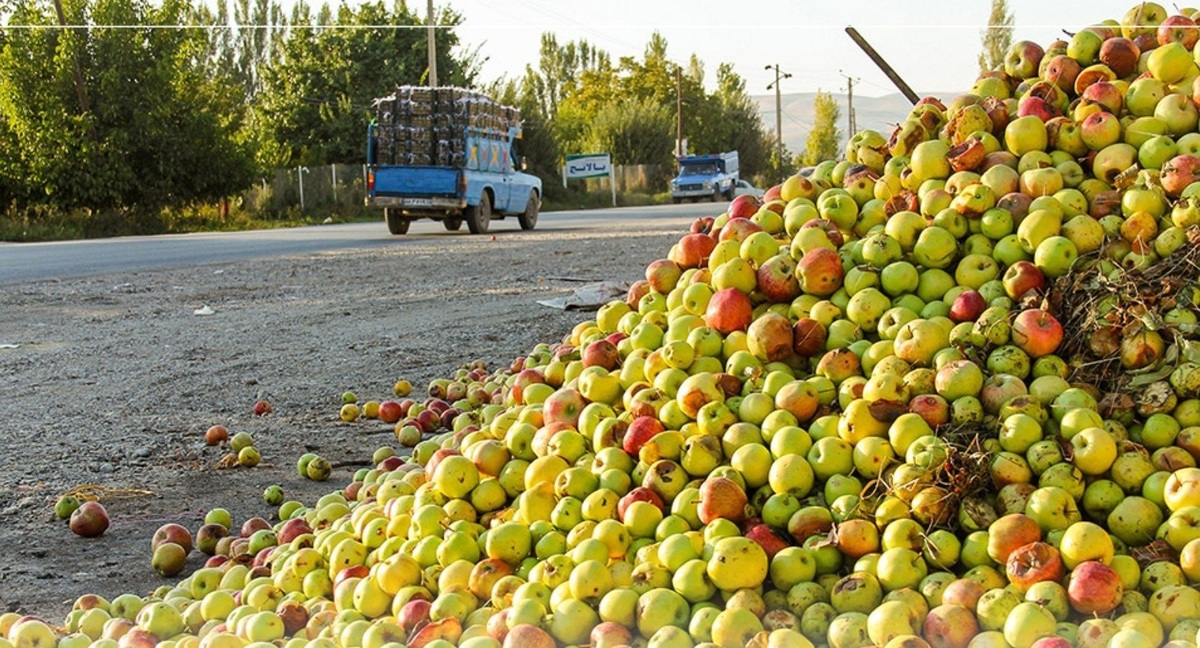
[707, 168]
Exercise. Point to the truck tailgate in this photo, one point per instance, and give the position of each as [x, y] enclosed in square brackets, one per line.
[416, 181]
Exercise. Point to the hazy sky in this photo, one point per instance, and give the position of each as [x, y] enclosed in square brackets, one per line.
[933, 44]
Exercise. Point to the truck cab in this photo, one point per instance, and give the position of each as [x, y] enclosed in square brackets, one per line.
[705, 176]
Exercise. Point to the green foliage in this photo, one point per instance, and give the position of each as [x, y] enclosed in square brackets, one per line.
[997, 37]
[634, 131]
[316, 100]
[538, 149]
[822, 142]
[116, 119]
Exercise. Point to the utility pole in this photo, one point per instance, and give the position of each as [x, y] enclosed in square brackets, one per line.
[850, 121]
[678, 111]
[433, 79]
[778, 109]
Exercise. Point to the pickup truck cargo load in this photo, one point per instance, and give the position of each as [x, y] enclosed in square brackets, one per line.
[447, 154]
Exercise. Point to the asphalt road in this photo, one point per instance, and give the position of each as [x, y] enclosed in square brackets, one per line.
[29, 262]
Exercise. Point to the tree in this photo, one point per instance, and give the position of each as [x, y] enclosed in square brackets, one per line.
[740, 116]
[317, 99]
[634, 131]
[997, 37]
[822, 143]
[120, 119]
[537, 148]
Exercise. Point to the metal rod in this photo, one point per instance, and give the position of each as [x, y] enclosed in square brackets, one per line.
[882, 64]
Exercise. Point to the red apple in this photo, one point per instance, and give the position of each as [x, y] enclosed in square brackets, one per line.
[1120, 55]
[1033, 563]
[641, 430]
[662, 274]
[932, 408]
[769, 539]
[950, 626]
[216, 435]
[1052, 642]
[1108, 95]
[831, 230]
[1021, 277]
[743, 206]
[1179, 172]
[738, 229]
[1036, 332]
[962, 592]
[1094, 588]
[1010, 533]
[770, 337]
[820, 272]
[1062, 71]
[389, 464]
[808, 337]
[254, 524]
[293, 529]
[721, 498]
[172, 532]
[777, 279]
[1178, 29]
[563, 406]
[967, 306]
[693, 250]
[1038, 107]
[637, 290]
[208, 536]
[639, 494]
[294, 616]
[414, 613]
[90, 520]
[390, 412]
[529, 636]
[610, 633]
[601, 353]
[729, 310]
[262, 408]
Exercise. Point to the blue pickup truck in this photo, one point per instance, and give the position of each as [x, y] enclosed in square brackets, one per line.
[711, 177]
[460, 174]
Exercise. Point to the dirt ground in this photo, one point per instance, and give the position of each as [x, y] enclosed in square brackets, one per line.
[114, 380]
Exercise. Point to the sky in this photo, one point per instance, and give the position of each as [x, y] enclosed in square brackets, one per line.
[932, 44]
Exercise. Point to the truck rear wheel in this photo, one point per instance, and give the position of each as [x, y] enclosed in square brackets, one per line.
[396, 222]
[452, 224]
[480, 217]
[528, 220]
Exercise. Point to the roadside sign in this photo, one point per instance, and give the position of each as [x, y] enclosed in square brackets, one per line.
[579, 166]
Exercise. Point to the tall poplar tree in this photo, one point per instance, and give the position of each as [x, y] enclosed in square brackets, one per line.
[822, 143]
[997, 37]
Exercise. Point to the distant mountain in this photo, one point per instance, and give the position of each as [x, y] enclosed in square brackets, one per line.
[877, 113]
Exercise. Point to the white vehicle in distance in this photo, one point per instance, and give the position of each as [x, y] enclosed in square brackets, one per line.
[742, 188]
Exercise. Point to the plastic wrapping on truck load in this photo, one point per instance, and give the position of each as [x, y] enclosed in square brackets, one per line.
[444, 126]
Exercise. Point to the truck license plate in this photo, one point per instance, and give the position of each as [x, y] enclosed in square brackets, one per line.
[418, 202]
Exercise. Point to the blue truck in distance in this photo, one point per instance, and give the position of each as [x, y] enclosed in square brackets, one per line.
[705, 176]
[447, 154]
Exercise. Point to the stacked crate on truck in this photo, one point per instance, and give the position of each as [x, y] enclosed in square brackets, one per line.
[450, 127]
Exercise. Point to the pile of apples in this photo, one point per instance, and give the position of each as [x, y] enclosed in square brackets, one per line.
[847, 415]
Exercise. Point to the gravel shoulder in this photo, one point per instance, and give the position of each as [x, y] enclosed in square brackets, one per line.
[114, 379]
